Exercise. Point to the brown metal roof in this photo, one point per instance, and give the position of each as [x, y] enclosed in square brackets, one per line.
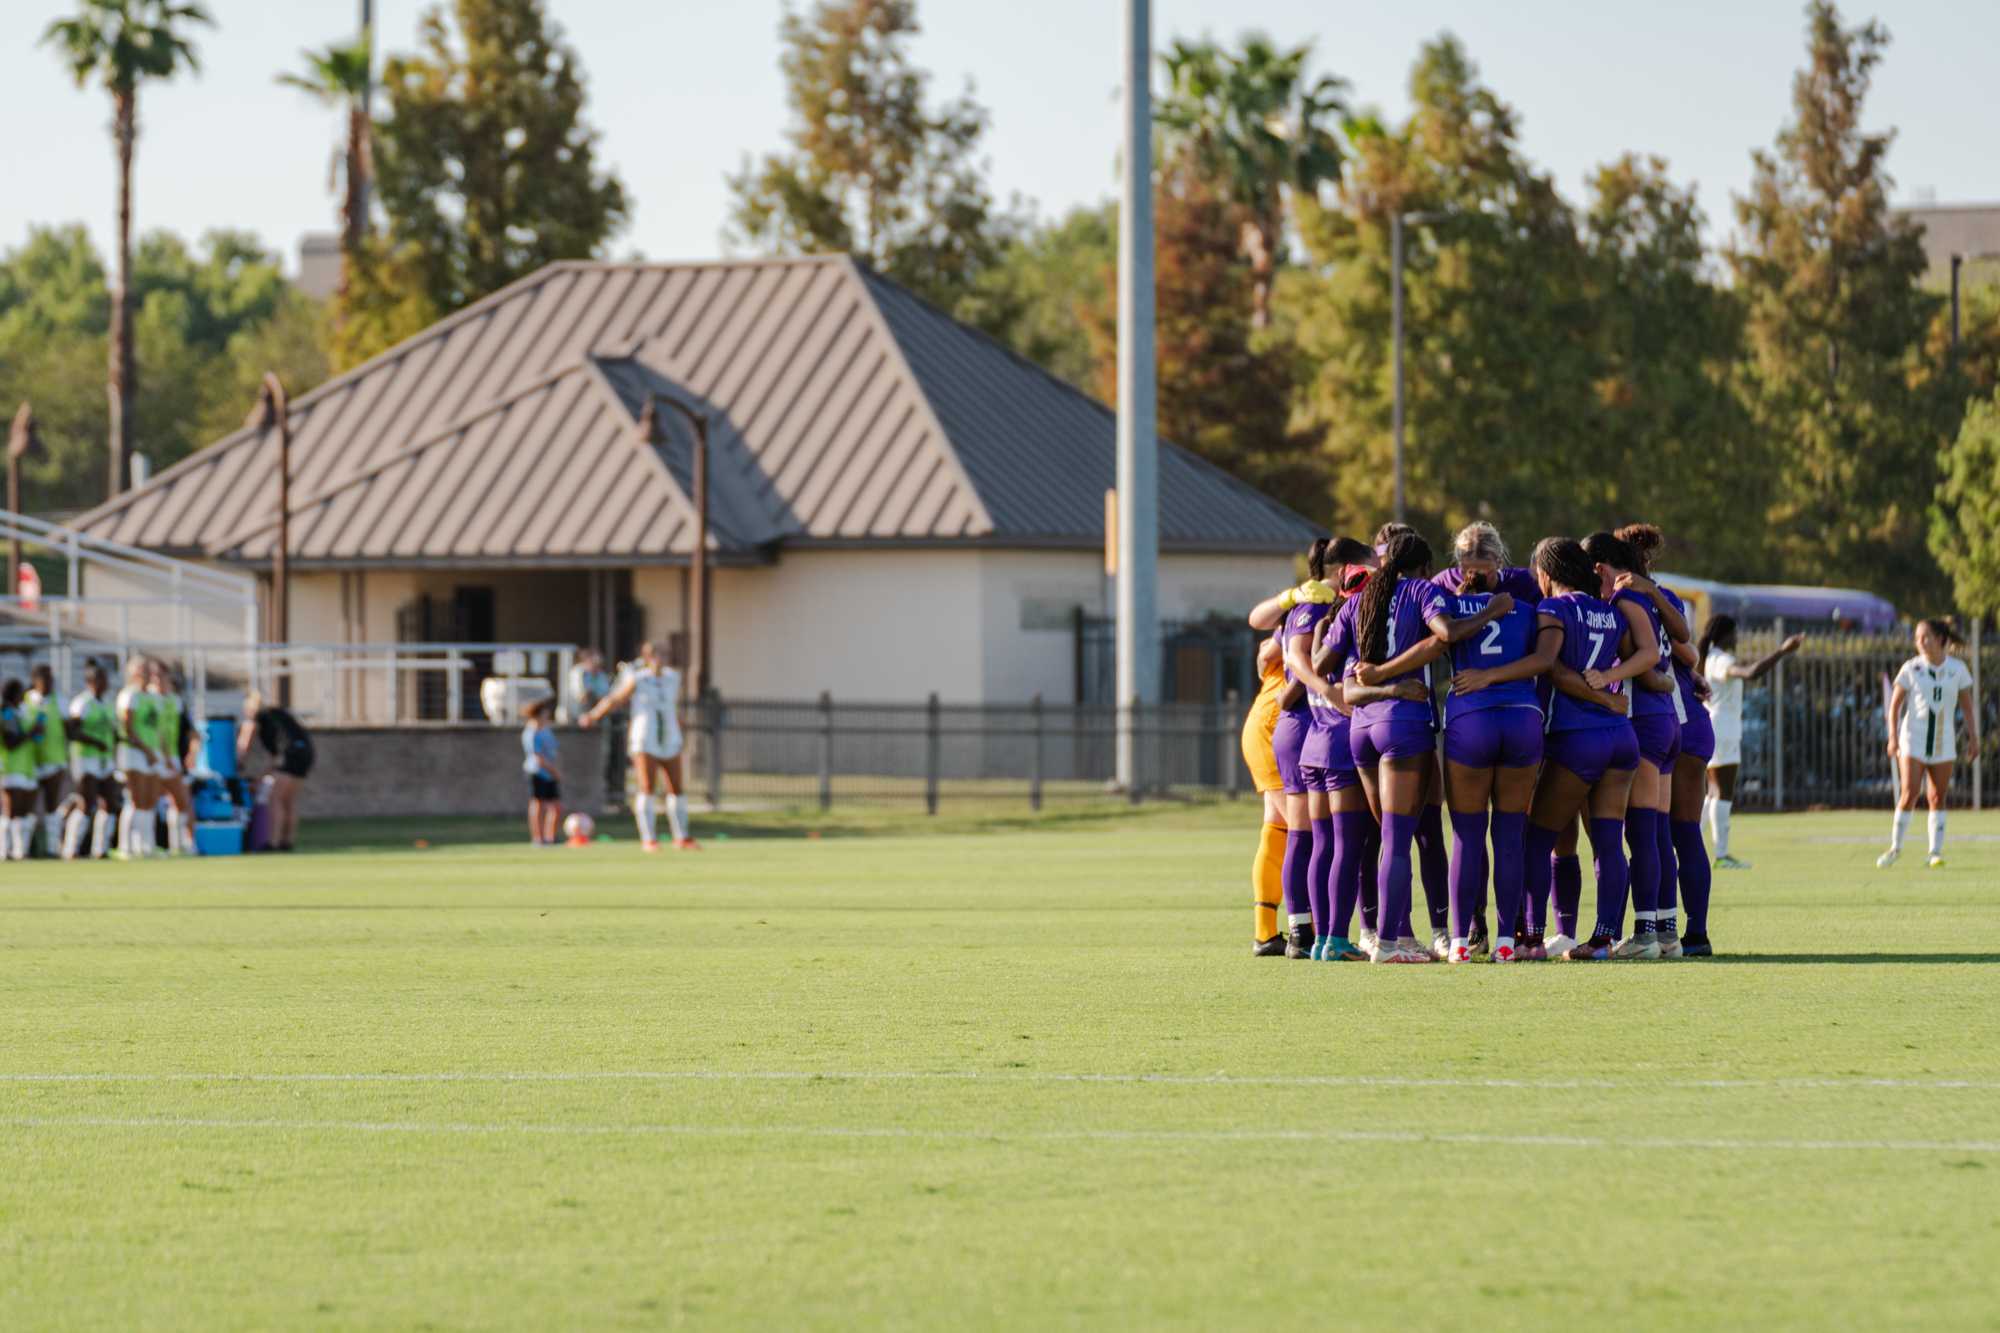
[843, 410]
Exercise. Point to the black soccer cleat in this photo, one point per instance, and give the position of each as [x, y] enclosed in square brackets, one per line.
[1596, 949]
[1479, 942]
[1696, 946]
[1301, 944]
[1271, 948]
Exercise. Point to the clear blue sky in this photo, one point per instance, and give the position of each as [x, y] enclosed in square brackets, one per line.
[683, 89]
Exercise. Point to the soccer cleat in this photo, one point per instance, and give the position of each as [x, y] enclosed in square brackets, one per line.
[1728, 862]
[1318, 954]
[1460, 952]
[1637, 948]
[1503, 953]
[1479, 942]
[686, 845]
[1558, 945]
[1936, 863]
[1888, 858]
[1271, 948]
[1670, 944]
[1301, 943]
[1696, 946]
[1593, 950]
[650, 845]
[1440, 946]
[1339, 950]
[1399, 952]
[1367, 940]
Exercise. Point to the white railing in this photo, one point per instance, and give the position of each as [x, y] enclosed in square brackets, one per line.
[143, 581]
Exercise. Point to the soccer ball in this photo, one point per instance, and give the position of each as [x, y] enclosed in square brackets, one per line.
[579, 827]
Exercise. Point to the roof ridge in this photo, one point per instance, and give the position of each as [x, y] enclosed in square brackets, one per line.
[861, 273]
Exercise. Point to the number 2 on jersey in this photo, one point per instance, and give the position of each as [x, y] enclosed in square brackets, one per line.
[1491, 643]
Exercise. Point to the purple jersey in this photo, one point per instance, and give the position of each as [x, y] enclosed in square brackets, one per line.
[1591, 633]
[1647, 702]
[1504, 641]
[1683, 677]
[1512, 579]
[1412, 606]
[1301, 619]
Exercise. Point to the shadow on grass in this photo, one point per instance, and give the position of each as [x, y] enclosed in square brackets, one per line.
[1853, 959]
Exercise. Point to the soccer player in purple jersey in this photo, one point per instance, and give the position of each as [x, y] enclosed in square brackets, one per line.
[1394, 741]
[1288, 738]
[1432, 861]
[1591, 750]
[1656, 720]
[1689, 854]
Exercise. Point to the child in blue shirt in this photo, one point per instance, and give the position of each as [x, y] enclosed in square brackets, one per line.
[538, 762]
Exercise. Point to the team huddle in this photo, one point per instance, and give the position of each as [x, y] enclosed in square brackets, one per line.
[1578, 700]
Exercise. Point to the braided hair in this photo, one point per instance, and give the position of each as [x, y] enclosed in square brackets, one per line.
[1566, 563]
[1408, 553]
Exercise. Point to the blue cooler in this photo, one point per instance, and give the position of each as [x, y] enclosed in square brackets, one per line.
[218, 753]
[219, 839]
[211, 801]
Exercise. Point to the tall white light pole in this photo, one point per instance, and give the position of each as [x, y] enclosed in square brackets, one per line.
[1138, 441]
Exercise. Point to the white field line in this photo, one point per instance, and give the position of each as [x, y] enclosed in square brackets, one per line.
[895, 1132]
[1006, 1076]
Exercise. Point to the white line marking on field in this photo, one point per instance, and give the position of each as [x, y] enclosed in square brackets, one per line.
[1022, 1136]
[1007, 1076]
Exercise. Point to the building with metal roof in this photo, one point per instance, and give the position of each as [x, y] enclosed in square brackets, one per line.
[898, 503]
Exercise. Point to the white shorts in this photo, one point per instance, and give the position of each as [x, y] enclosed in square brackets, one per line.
[1944, 748]
[47, 771]
[132, 760]
[644, 742]
[89, 766]
[17, 782]
[1728, 750]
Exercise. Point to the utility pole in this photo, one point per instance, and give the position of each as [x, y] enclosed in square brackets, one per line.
[1138, 442]
[20, 440]
[367, 105]
[1396, 224]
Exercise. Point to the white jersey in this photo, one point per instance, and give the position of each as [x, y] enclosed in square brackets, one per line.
[1725, 698]
[1930, 708]
[655, 705]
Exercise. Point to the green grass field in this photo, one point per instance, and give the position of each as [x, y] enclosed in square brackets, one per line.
[1004, 1073]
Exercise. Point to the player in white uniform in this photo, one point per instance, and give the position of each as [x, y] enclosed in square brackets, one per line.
[1923, 732]
[652, 690]
[1717, 661]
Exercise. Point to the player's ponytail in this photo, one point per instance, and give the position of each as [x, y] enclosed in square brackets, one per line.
[1645, 540]
[1408, 554]
[1606, 548]
[1316, 557]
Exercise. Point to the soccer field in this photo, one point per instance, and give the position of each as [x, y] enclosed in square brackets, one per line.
[1003, 1076]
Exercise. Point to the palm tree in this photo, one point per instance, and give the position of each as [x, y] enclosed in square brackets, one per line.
[121, 43]
[1253, 120]
[339, 76]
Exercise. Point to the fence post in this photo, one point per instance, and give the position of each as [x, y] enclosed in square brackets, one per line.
[1778, 729]
[454, 702]
[1035, 755]
[1134, 716]
[1978, 703]
[395, 704]
[1229, 764]
[826, 749]
[932, 747]
[711, 703]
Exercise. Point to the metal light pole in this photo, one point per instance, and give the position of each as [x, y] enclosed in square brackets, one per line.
[1396, 223]
[272, 410]
[1138, 442]
[367, 100]
[20, 440]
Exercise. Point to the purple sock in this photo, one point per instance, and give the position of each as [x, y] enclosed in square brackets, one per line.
[1371, 852]
[1644, 867]
[1695, 873]
[1568, 873]
[1298, 856]
[1392, 872]
[1319, 875]
[1508, 867]
[1607, 847]
[1468, 869]
[1350, 851]
[1435, 864]
[1670, 870]
[1538, 874]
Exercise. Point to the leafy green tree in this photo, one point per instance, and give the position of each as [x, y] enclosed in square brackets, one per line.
[871, 170]
[1044, 281]
[1965, 521]
[1837, 322]
[1255, 120]
[485, 168]
[121, 44]
[337, 76]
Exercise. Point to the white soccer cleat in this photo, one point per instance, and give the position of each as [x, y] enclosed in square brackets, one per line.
[1399, 951]
[1670, 944]
[1440, 946]
[1728, 862]
[1367, 941]
[1936, 863]
[1503, 953]
[1887, 859]
[1559, 944]
[1459, 952]
[1636, 949]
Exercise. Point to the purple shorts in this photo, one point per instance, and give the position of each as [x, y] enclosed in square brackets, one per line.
[1314, 777]
[1373, 742]
[1495, 738]
[1591, 752]
[1287, 739]
[1698, 735]
[1659, 739]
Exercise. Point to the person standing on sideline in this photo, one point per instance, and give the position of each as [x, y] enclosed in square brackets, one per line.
[653, 690]
[1717, 653]
[286, 740]
[538, 762]
[1931, 689]
[95, 747]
